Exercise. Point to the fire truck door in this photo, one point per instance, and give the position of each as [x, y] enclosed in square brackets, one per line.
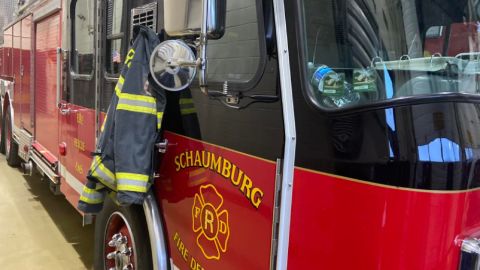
[26, 97]
[217, 179]
[22, 48]
[17, 52]
[47, 40]
[77, 105]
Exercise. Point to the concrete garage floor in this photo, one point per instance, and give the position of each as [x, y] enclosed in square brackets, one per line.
[39, 230]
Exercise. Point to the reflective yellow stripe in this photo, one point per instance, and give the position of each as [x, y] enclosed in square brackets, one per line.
[103, 124]
[129, 57]
[89, 190]
[121, 80]
[136, 103]
[102, 173]
[104, 169]
[90, 201]
[132, 176]
[159, 120]
[132, 182]
[91, 196]
[187, 111]
[186, 101]
[139, 109]
[119, 85]
[132, 188]
[133, 97]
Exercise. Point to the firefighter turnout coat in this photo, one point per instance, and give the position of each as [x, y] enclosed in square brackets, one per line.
[123, 164]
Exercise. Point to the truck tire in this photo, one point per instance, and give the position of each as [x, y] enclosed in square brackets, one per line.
[125, 228]
[11, 147]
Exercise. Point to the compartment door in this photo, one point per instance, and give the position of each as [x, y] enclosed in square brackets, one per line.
[26, 99]
[46, 121]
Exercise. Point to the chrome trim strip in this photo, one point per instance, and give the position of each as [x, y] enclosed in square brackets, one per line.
[98, 67]
[471, 245]
[155, 232]
[290, 135]
[59, 77]
[71, 180]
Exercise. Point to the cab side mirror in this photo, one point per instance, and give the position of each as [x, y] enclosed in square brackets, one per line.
[186, 17]
[173, 64]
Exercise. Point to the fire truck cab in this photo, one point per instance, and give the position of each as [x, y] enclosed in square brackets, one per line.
[298, 134]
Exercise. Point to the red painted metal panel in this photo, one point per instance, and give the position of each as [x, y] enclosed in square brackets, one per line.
[78, 134]
[218, 216]
[26, 95]
[17, 78]
[1, 60]
[8, 39]
[340, 223]
[46, 112]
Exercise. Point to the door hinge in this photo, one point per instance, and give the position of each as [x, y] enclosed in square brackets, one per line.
[276, 213]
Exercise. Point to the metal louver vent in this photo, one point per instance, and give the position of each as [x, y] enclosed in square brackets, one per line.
[109, 17]
[145, 15]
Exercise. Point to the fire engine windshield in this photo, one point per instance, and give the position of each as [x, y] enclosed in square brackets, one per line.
[359, 52]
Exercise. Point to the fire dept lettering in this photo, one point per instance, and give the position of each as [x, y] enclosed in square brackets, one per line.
[79, 168]
[79, 144]
[80, 119]
[223, 167]
[194, 264]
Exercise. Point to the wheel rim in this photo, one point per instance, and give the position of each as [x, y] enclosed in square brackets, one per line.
[119, 244]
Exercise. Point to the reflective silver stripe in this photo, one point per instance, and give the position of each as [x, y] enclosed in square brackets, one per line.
[137, 103]
[132, 185]
[103, 177]
[93, 196]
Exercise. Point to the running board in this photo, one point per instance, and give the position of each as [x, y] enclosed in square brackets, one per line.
[46, 167]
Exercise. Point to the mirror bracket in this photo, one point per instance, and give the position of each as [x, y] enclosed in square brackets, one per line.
[202, 49]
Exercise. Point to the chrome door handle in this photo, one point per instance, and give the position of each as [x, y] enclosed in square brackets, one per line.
[59, 74]
[64, 109]
[163, 146]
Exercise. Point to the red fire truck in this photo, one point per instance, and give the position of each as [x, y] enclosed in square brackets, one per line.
[298, 134]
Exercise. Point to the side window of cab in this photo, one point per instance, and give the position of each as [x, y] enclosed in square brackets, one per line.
[115, 37]
[240, 55]
[82, 13]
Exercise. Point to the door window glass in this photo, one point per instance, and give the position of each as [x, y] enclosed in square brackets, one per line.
[83, 37]
[236, 57]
